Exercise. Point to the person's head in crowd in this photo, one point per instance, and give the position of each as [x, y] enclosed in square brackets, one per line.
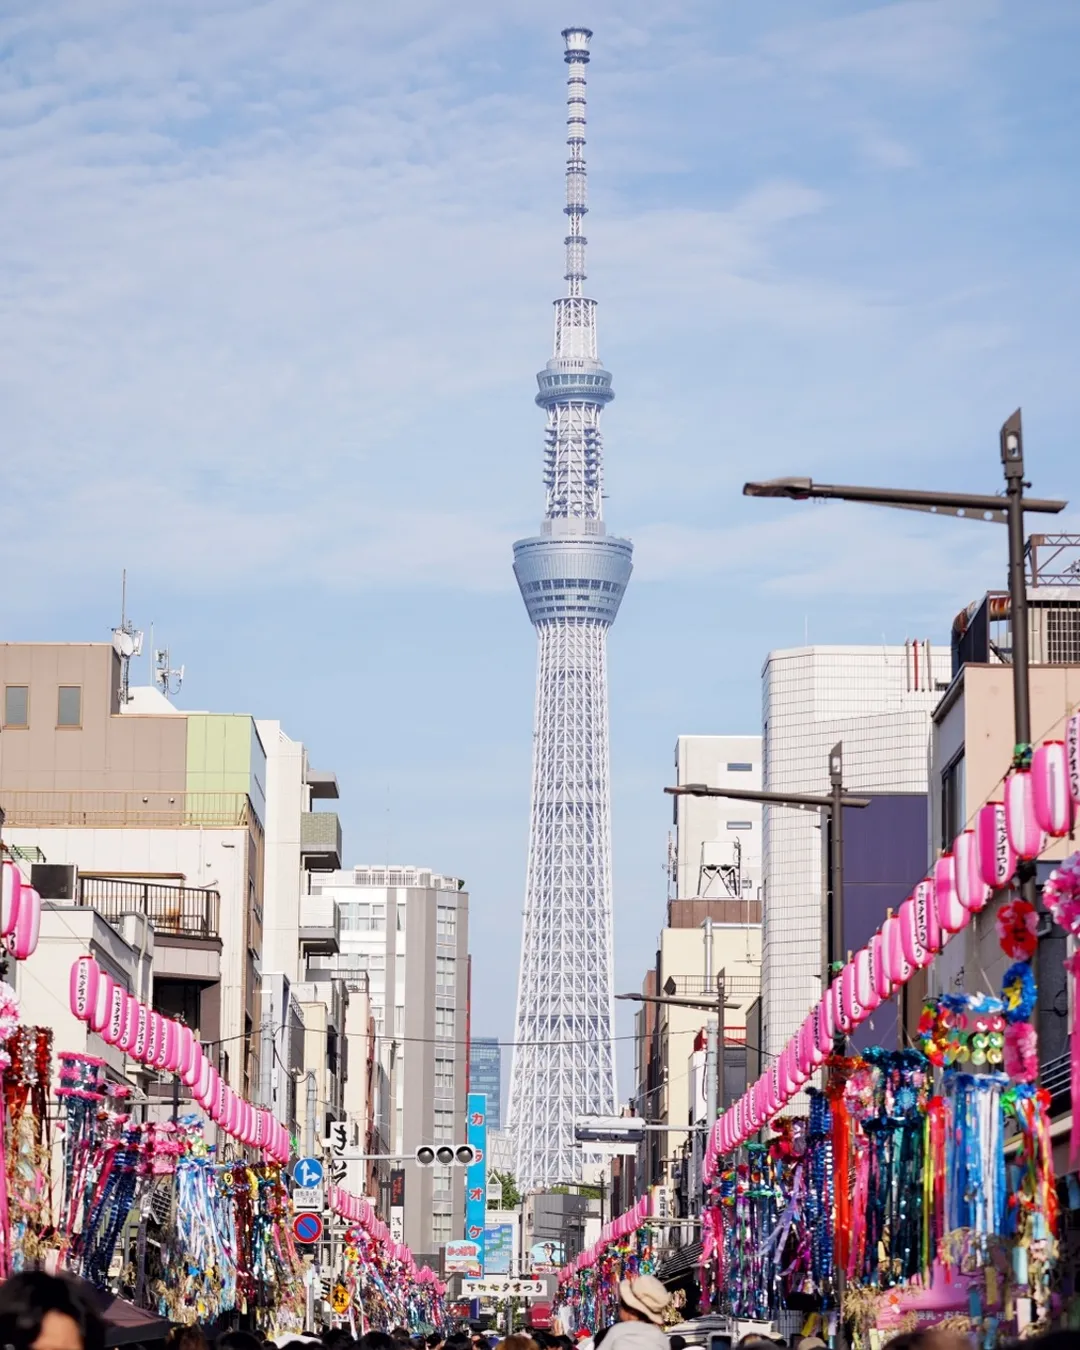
[377, 1340]
[48, 1312]
[643, 1299]
[237, 1340]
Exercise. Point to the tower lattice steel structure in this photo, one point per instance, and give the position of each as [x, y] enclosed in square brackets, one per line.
[572, 578]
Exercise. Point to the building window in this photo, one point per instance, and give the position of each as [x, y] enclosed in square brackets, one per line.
[446, 922]
[441, 1183]
[17, 705]
[69, 706]
[443, 1126]
[444, 1077]
[740, 824]
[444, 1023]
[446, 970]
[952, 801]
[442, 1226]
[740, 766]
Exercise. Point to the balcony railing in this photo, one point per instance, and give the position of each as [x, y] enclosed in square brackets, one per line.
[107, 809]
[184, 911]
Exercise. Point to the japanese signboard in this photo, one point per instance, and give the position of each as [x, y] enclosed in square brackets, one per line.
[476, 1175]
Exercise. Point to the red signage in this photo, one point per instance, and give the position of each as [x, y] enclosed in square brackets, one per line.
[307, 1227]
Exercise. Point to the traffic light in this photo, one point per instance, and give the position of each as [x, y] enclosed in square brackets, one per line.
[447, 1155]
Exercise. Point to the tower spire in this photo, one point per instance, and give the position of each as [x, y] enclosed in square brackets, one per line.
[577, 58]
[572, 576]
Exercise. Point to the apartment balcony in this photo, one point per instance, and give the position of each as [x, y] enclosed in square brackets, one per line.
[183, 911]
[320, 840]
[185, 919]
[320, 925]
[120, 809]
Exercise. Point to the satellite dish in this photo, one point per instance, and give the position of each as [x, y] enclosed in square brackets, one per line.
[123, 643]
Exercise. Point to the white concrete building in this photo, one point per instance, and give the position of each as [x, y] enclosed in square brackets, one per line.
[717, 843]
[407, 929]
[878, 702]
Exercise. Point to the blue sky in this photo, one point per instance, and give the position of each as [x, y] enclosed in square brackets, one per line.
[275, 279]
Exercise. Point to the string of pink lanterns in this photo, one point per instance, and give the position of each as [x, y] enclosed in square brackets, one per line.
[359, 1210]
[1037, 804]
[615, 1231]
[169, 1046]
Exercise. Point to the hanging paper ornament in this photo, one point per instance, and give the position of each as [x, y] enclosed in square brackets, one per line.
[83, 987]
[879, 975]
[926, 914]
[1061, 895]
[997, 857]
[24, 940]
[898, 967]
[1052, 801]
[1021, 1052]
[10, 894]
[852, 1012]
[1018, 991]
[1017, 925]
[951, 914]
[823, 1027]
[1025, 836]
[970, 886]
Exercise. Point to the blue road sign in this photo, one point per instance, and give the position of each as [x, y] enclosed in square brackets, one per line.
[307, 1227]
[307, 1172]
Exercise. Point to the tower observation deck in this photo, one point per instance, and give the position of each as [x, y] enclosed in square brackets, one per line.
[572, 577]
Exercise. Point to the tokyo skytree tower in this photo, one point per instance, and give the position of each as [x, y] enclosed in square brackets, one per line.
[572, 578]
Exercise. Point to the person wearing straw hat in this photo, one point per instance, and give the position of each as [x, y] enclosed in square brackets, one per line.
[643, 1304]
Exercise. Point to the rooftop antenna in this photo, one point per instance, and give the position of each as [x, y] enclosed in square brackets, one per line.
[167, 677]
[127, 642]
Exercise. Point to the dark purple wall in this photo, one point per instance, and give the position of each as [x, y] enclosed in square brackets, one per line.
[885, 855]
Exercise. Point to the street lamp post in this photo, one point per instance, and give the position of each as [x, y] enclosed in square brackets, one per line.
[1008, 510]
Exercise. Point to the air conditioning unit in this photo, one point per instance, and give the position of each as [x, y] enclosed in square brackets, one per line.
[54, 881]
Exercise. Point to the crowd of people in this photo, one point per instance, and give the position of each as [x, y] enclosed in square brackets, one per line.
[47, 1312]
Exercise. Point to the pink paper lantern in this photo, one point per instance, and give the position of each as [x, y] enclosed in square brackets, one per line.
[114, 1027]
[171, 1045]
[1025, 836]
[190, 1078]
[899, 968]
[232, 1111]
[23, 942]
[823, 1027]
[83, 987]
[879, 973]
[142, 1027]
[970, 886]
[840, 1012]
[131, 1024]
[814, 1056]
[221, 1107]
[919, 927]
[99, 1014]
[1055, 811]
[153, 1038]
[186, 1051]
[951, 914]
[789, 1083]
[11, 886]
[997, 857]
[865, 988]
[1072, 756]
[206, 1082]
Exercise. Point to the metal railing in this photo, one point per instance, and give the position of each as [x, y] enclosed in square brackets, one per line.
[1054, 1075]
[109, 809]
[184, 911]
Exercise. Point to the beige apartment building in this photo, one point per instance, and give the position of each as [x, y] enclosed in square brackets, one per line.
[142, 808]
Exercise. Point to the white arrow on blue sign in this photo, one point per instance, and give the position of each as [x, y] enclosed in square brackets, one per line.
[308, 1172]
